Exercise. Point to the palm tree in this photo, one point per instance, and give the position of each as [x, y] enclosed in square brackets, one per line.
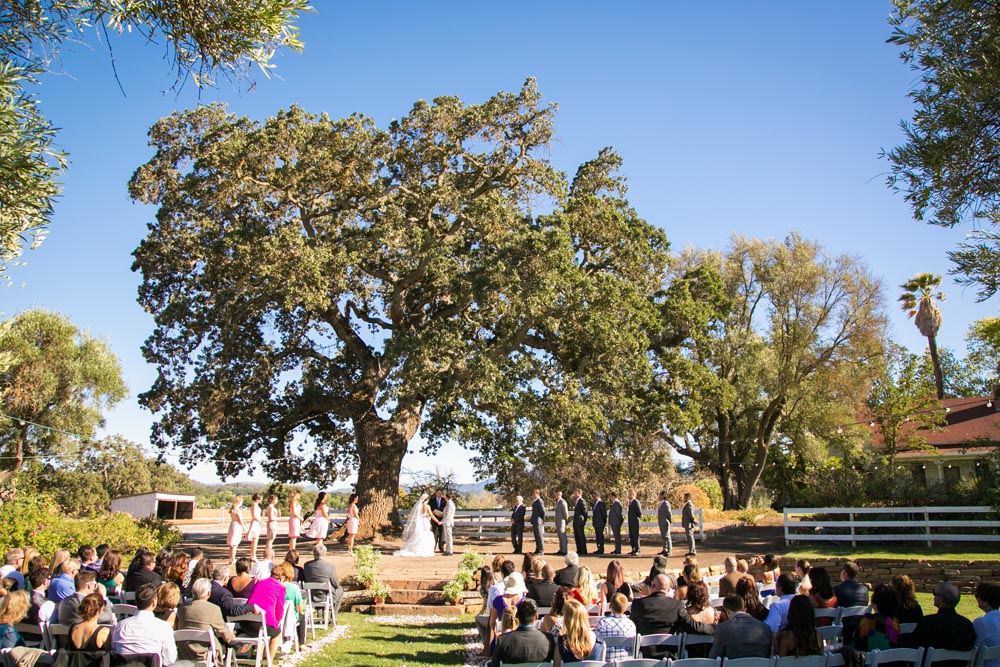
[918, 299]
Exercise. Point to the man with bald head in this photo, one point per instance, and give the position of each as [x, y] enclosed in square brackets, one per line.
[660, 613]
[946, 629]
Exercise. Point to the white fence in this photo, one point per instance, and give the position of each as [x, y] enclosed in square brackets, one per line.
[890, 524]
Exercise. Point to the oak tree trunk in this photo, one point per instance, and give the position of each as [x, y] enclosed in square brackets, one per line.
[381, 445]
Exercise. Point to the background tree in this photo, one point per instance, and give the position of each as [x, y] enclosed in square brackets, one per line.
[200, 38]
[919, 294]
[324, 289]
[795, 343]
[948, 167]
[983, 354]
[55, 390]
[902, 402]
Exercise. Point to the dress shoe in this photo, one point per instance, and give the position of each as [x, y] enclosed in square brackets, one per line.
[616, 553]
[599, 552]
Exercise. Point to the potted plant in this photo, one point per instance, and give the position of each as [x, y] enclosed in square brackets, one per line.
[380, 591]
[452, 592]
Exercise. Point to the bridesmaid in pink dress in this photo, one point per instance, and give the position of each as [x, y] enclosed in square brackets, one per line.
[294, 520]
[253, 532]
[235, 535]
[353, 521]
[321, 520]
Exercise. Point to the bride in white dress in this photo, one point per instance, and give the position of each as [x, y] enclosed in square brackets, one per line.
[418, 538]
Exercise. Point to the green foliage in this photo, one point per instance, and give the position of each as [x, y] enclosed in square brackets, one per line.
[452, 591]
[471, 561]
[406, 268]
[464, 578]
[713, 492]
[948, 166]
[785, 362]
[198, 38]
[35, 519]
[380, 589]
[58, 383]
[366, 560]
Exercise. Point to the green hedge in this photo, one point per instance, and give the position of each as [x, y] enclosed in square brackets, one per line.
[36, 520]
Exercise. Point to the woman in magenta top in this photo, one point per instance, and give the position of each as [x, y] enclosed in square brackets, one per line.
[269, 595]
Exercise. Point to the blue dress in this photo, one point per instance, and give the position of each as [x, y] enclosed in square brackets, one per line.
[596, 653]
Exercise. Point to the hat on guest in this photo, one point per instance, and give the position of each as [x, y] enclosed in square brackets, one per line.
[514, 584]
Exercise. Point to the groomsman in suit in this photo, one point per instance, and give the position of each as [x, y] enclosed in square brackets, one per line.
[437, 506]
[663, 520]
[517, 525]
[562, 519]
[634, 517]
[448, 524]
[688, 521]
[615, 519]
[580, 523]
[600, 514]
[538, 521]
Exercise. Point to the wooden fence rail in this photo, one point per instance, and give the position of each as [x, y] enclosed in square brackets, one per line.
[877, 524]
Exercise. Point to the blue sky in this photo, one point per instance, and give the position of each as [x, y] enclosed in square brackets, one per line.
[757, 118]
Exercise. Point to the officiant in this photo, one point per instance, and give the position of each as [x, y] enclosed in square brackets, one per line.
[437, 507]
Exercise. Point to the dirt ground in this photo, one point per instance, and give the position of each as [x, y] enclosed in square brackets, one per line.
[721, 542]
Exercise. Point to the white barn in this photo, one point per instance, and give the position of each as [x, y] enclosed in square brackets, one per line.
[159, 505]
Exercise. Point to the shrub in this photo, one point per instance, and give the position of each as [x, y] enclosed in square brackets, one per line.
[380, 589]
[452, 591]
[366, 561]
[464, 579]
[471, 560]
[698, 497]
[711, 488]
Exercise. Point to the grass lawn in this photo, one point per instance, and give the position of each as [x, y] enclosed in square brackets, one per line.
[374, 644]
[966, 605]
[893, 552]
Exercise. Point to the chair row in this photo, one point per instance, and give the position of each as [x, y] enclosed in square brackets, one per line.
[913, 657]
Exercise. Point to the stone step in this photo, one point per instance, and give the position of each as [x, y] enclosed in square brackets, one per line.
[421, 609]
[409, 596]
[416, 584]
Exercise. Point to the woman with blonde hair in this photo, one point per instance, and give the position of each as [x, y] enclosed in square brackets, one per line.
[29, 554]
[583, 592]
[58, 559]
[168, 598]
[294, 520]
[577, 641]
[236, 528]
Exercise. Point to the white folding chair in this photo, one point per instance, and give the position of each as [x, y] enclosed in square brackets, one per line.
[590, 663]
[716, 602]
[289, 627]
[123, 611]
[45, 611]
[828, 612]
[691, 639]
[240, 600]
[835, 659]
[771, 599]
[326, 616]
[932, 655]
[801, 661]
[128, 596]
[851, 612]
[544, 611]
[663, 640]
[593, 621]
[32, 634]
[525, 664]
[987, 653]
[695, 662]
[748, 662]
[627, 643]
[260, 645]
[832, 634]
[204, 637]
[55, 636]
[640, 662]
[595, 609]
[914, 656]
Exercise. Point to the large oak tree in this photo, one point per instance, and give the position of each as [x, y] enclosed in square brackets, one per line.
[325, 289]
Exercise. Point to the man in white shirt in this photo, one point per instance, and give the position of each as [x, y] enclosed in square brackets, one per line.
[262, 568]
[988, 627]
[12, 567]
[144, 632]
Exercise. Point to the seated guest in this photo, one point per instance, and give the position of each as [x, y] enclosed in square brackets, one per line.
[659, 567]
[947, 629]
[144, 632]
[164, 559]
[88, 558]
[39, 580]
[660, 613]
[821, 594]
[513, 592]
[527, 567]
[987, 627]
[879, 628]
[527, 643]
[89, 639]
[577, 641]
[133, 566]
[242, 584]
[203, 569]
[769, 573]
[201, 614]
[742, 636]
[699, 605]
[614, 582]
[850, 592]
[537, 565]
[292, 558]
[541, 591]
[63, 585]
[102, 550]
[13, 608]
[262, 568]
[689, 574]
[746, 588]
[168, 598]
[910, 610]
[566, 577]
[12, 567]
[69, 609]
[800, 636]
[552, 622]
[615, 624]
[196, 554]
[283, 572]
[269, 595]
[802, 567]
[58, 558]
[109, 575]
[222, 597]
[505, 569]
[178, 571]
[145, 573]
[728, 582]
[583, 590]
[320, 571]
[777, 613]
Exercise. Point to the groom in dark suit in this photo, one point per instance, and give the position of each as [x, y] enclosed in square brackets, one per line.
[580, 523]
[600, 514]
[437, 506]
[634, 517]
